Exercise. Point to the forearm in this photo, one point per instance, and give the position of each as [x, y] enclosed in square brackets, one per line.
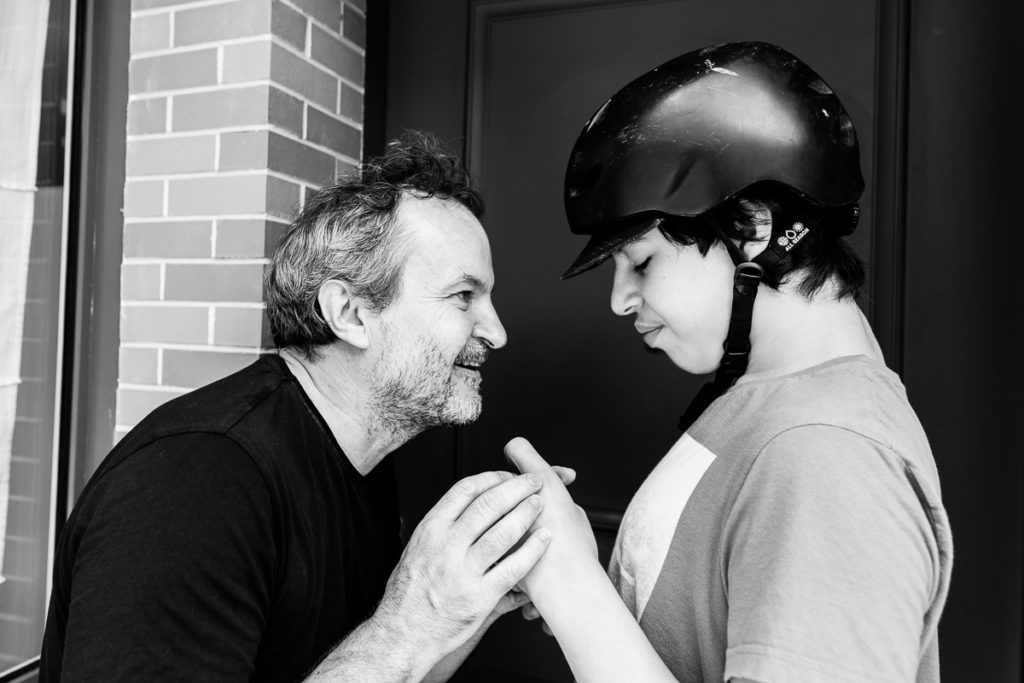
[597, 634]
[376, 651]
[451, 662]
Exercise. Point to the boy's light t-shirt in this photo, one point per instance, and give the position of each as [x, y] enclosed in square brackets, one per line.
[794, 533]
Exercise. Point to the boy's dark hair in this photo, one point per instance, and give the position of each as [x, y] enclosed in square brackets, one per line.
[821, 255]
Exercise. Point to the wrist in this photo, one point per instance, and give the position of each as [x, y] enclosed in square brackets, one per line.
[570, 583]
[404, 642]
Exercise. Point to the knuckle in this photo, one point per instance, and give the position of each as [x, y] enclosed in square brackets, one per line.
[503, 538]
[427, 527]
[465, 486]
[507, 575]
[494, 542]
[490, 502]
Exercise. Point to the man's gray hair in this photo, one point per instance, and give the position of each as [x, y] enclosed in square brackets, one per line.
[347, 232]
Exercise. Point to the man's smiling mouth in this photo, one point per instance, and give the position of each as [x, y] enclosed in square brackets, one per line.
[472, 358]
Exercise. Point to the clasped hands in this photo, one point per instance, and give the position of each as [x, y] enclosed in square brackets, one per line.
[493, 543]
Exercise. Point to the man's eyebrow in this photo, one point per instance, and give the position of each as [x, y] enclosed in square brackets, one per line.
[471, 281]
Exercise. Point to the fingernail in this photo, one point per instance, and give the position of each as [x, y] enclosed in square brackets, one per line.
[543, 535]
[533, 479]
[535, 501]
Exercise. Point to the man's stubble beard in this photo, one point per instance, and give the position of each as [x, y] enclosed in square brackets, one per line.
[416, 391]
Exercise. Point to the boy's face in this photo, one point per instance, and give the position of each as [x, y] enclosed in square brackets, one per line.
[682, 299]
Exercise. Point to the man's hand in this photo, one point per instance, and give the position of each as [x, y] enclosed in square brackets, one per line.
[512, 600]
[573, 549]
[462, 562]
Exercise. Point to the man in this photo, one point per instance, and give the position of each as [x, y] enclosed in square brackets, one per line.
[246, 531]
[795, 532]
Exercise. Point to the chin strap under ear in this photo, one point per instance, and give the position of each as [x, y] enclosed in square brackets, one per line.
[745, 282]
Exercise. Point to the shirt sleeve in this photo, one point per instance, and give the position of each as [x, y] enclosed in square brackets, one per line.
[830, 563]
[174, 567]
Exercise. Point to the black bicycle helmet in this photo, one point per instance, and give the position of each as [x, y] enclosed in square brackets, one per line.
[695, 131]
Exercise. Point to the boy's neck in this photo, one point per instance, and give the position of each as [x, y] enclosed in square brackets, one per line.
[791, 332]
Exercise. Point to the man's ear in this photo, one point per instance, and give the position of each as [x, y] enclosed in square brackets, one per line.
[344, 313]
[758, 230]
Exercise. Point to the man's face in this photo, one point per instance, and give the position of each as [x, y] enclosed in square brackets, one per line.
[434, 337]
[682, 299]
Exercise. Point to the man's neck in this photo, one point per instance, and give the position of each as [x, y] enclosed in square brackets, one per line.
[792, 333]
[339, 390]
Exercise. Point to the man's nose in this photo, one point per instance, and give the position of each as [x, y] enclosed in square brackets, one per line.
[490, 329]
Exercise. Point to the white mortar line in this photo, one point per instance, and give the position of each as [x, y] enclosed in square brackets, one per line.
[189, 5]
[194, 261]
[172, 346]
[155, 303]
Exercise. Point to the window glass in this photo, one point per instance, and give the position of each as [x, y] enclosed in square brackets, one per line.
[28, 459]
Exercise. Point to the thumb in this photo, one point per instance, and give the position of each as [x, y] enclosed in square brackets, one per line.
[525, 457]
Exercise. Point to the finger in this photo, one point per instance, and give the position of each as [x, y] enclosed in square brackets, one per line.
[530, 612]
[511, 601]
[525, 457]
[455, 501]
[566, 474]
[505, 533]
[519, 562]
[547, 629]
[493, 504]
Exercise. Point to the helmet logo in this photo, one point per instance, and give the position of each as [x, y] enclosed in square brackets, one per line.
[792, 236]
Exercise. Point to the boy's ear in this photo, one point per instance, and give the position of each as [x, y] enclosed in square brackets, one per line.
[758, 230]
[344, 313]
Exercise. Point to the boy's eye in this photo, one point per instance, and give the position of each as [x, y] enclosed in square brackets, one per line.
[641, 267]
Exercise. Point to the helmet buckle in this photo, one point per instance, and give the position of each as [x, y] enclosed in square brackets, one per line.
[746, 279]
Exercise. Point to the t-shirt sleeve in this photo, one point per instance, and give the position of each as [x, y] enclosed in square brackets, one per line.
[830, 563]
[174, 567]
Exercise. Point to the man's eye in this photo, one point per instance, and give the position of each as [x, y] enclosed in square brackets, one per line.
[464, 296]
[639, 268]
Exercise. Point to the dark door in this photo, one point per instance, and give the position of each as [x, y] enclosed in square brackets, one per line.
[510, 83]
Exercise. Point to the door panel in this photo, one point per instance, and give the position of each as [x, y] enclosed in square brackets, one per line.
[962, 366]
[512, 83]
[926, 84]
[574, 378]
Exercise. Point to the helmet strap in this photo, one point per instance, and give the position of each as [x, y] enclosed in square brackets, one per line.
[746, 280]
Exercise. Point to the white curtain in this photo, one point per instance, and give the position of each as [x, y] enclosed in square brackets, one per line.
[22, 46]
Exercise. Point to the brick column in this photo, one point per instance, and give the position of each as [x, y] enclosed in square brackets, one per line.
[238, 109]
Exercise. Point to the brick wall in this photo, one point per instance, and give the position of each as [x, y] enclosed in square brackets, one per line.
[238, 109]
